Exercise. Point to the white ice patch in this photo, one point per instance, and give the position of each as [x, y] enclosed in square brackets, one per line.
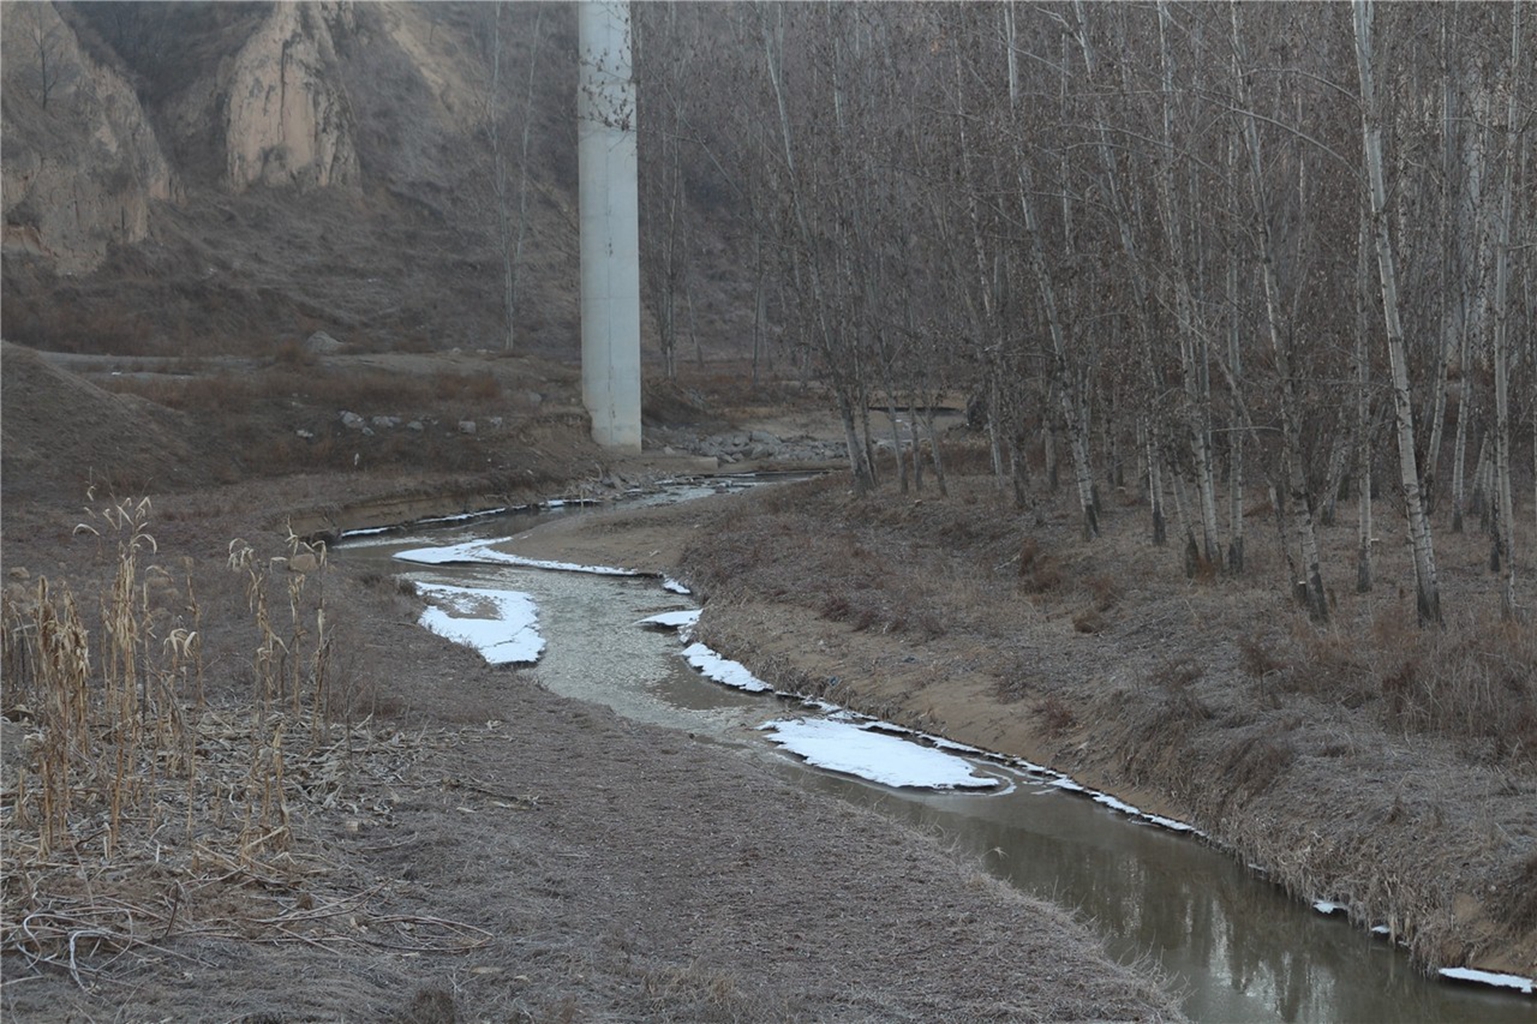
[1327, 907]
[890, 760]
[672, 620]
[482, 552]
[668, 583]
[1515, 981]
[1171, 824]
[723, 670]
[1116, 805]
[508, 635]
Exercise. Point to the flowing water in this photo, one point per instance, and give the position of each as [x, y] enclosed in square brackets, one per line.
[1234, 945]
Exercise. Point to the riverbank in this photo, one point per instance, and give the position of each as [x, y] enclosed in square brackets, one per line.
[433, 839]
[1327, 756]
[1313, 754]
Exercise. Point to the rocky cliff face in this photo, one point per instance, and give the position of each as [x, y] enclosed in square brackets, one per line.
[201, 177]
[286, 121]
[81, 164]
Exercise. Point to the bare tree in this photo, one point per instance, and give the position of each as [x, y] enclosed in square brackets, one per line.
[45, 38]
[1504, 543]
[1428, 595]
[510, 198]
[1311, 585]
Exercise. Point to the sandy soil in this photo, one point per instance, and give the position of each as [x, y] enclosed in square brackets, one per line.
[450, 841]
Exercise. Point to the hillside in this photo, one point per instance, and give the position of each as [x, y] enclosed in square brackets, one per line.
[294, 168]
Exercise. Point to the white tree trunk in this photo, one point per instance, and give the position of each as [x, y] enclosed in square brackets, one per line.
[1363, 423]
[1505, 522]
[1311, 584]
[1428, 594]
[1197, 395]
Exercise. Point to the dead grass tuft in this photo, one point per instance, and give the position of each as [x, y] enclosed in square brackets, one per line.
[132, 765]
[1517, 906]
[1106, 590]
[1332, 667]
[1039, 572]
[1177, 673]
[1055, 715]
[1257, 659]
[1254, 764]
[1089, 620]
[1473, 680]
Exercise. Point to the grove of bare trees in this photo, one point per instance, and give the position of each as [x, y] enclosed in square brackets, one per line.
[1182, 251]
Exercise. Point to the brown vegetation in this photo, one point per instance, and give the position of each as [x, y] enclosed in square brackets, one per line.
[1214, 699]
[315, 809]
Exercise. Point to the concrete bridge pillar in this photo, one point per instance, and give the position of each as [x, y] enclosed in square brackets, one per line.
[610, 225]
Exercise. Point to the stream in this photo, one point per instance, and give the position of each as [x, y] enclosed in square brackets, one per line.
[1235, 947]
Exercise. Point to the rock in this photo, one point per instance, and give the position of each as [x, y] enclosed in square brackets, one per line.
[495, 421]
[321, 344]
[304, 562]
[466, 426]
[68, 209]
[306, 434]
[415, 426]
[763, 437]
[288, 122]
[352, 421]
[385, 422]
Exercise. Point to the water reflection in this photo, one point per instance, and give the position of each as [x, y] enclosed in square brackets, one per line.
[1234, 945]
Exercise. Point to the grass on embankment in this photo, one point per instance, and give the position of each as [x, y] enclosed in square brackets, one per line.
[1365, 761]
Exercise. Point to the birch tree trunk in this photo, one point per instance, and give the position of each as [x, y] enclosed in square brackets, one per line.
[1067, 386]
[1505, 515]
[1197, 398]
[1427, 590]
[1141, 293]
[1363, 438]
[1065, 375]
[1235, 553]
[864, 481]
[1311, 585]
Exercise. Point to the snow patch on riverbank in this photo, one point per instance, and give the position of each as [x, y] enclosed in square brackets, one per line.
[501, 624]
[724, 670]
[855, 749]
[672, 620]
[483, 552]
[1515, 981]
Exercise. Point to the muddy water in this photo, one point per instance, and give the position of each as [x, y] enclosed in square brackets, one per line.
[1232, 944]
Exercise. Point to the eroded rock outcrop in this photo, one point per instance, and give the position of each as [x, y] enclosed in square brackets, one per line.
[81, 163]
[288, 122]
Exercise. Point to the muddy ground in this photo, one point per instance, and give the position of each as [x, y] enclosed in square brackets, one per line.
[407, 834]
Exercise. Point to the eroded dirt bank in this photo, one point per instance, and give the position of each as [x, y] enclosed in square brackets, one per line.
[446, 841]
[1332, 757]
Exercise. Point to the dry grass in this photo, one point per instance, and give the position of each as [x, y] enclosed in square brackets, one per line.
[141, 804]
[1274, 733]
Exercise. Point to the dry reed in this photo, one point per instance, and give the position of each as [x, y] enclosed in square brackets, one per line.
[134, 797]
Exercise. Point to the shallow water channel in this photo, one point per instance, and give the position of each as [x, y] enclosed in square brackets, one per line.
[1235, 946]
